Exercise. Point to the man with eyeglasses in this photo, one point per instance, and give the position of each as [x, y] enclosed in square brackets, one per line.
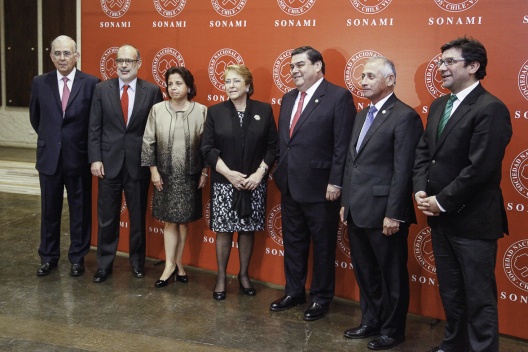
[119, 113]
[457, 175]
[59, 112]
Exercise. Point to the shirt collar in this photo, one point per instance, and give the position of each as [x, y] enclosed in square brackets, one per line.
[310, 91]
[131, 85]
[465, 92]
[380, 103]
[71, 76]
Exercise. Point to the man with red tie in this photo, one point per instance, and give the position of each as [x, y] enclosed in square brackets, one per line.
[118, 117]
[315, 124]
[59, 112]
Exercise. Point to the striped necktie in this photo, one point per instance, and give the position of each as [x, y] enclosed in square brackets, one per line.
[446, 114]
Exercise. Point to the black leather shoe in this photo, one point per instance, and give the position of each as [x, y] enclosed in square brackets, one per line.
[77, 269]
[138, 271]
[219, 296]
[101, 275]
[360, 332]
[46, 268]
[182, 278]
[162, 283]
[250, 291]
[315, 311]
[287, 302]
[384, 342]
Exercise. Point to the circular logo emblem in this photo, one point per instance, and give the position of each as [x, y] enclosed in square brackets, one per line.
[519, 173]
[354, 69]
[163, 60]
[115, 8]
[433, 80]
[295, 7]
[455, 5]
[218, 63]
[228, 8]
[523, 80]
[123, 203]
[107, 64]
[151, 203]
[515, 264]
[342, 239]
[423, 250]
[169, 8]
[370, 7]
[281, 72]
[275, 224]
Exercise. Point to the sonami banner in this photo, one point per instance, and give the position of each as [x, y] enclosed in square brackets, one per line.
[207, 35]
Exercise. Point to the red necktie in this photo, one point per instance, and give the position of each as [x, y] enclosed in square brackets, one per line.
[124, 103]
[297, 112]
[65, 95]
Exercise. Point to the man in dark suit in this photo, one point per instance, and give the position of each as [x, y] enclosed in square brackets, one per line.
[457, 177]
[312, 149]
[59, 112]
[377, 204]
[118, 117]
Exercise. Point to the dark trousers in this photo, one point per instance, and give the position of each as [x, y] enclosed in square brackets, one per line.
[79, 192]
[380, 266]
[108, 215]
[466, 276]
[303, 223]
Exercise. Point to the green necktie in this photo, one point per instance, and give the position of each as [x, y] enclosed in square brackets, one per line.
[446, 114]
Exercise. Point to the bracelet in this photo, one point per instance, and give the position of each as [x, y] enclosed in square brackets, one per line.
[204, 174]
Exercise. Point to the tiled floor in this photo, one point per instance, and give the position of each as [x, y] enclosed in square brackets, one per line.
[62, 313]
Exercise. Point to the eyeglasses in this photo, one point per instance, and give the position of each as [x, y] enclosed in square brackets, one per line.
[449, 61]
[127, 61]
[66, 54]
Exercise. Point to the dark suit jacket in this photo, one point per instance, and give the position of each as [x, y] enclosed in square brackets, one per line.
[463, 167]
[378, 178]
[241, 149]
[315, 155]
[110, 141]
[58, 135]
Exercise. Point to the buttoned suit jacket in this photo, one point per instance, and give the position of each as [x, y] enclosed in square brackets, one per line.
[59, 135]
[463, 167]
[378, 177]
[315, 154]
[110, 141]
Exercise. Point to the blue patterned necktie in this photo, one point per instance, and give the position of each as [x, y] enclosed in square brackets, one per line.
[446, 114]
[366, 126]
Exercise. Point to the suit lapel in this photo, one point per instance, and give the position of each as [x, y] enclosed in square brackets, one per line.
[464, 107]
[287, 106]
[115, 100]
[315, 100]
[76, 87]
[53, 84]
[139, 100]
[380, 118]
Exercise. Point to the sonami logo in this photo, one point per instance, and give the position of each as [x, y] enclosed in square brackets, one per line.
[163, 60]
[274, 224]
[218, 63]
[423, 250]
[169, 8]
[354, 69]
[228, 8]
[515, 264]
[115, 8]
[281, 72]
[369, 6]
[519, 173]
[343, 241]
[455, 5]
[295, 7]
[107, 64]
[432, 78]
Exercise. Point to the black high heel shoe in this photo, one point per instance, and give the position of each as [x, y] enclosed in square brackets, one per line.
[181, 278]
[220, 295]
[162, 283]
[247, 291]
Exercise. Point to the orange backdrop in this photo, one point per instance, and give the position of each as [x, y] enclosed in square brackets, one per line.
[207, 35]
